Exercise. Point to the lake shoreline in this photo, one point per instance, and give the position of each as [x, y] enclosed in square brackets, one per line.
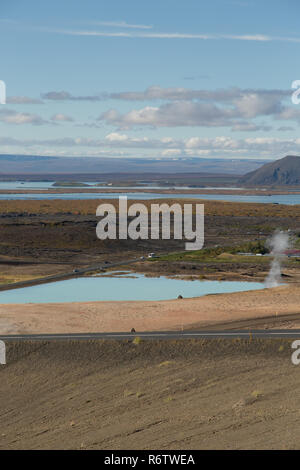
[121, 288]
[270, 308]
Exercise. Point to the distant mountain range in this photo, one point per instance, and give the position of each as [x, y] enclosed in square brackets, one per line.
[27, 164]
[283, 172]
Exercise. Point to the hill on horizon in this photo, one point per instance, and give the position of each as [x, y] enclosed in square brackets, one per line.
[282, 172]
[34, 164]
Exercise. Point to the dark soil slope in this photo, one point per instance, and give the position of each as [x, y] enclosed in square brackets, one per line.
[213, 394]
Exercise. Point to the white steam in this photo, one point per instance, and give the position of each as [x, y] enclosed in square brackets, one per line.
[278, 244]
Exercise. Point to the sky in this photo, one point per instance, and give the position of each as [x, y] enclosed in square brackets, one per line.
[159, 79]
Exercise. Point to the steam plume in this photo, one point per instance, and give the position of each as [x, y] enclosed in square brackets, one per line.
[278, 244]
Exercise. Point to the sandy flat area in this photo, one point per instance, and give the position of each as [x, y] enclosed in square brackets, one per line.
[279, 306]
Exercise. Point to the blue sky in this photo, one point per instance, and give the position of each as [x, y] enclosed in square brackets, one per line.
[166, 78]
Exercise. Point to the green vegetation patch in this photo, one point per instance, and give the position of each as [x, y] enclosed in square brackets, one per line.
[222, 253]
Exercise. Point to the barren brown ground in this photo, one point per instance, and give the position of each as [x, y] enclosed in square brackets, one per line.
[264, 308]
[38, 238]
[195, 394]
[63, 233]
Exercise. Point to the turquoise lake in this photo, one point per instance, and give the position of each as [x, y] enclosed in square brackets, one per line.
[121, 288]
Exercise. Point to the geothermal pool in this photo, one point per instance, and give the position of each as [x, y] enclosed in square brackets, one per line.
[101, 288]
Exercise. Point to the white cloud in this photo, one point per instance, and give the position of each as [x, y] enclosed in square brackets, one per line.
[233, 107]
[181, 113]
[115, 137]
[248, 103]
[171, 152]
[122, 24]
[59, 117]
[66, 96]
[22, 100]
[156, 92]
[256, 37]
[250, 127]
[285, 129]
[12, 117]
[218, 147]
[163, 35]
[292, 114]
[254, 104]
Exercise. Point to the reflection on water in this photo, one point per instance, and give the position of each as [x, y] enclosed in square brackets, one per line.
[121, 288]
[37, 185]
[32, 185]
[289, 199]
